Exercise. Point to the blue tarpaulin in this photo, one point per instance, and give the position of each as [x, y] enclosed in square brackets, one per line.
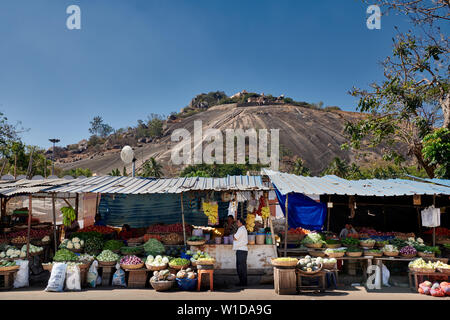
[303, 211]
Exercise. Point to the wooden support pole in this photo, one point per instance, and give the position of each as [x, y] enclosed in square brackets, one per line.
[328, 214]
[286, 226]
[434, 228]
[30, 209]
[77, 202]
[54, 221]
[182, 218]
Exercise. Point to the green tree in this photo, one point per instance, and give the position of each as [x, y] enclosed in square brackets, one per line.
[99, 128]
[436, 150]
[77, 172]
[151, 168]
[115, 173]
[337, 167]
[300, 169]
[124, 172]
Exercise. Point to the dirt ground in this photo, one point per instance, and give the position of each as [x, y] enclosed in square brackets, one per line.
[252, 293]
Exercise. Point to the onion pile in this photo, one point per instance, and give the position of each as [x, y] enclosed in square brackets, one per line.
[130, 260]
[408, 250]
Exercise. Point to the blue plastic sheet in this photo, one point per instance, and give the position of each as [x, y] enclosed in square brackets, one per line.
[303, 211]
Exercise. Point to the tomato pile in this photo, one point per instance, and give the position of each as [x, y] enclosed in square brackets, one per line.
[176, 227]
[440, 231]
[298, 230]
[100, 229]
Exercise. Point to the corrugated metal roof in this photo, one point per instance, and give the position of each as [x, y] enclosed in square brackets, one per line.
[129, 185]
[442, 182]
[287, 183]
[25, 186]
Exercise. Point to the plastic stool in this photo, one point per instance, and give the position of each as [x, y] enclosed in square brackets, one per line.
[211, 278]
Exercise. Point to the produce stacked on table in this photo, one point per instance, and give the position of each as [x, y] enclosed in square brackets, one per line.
[309, 264]
[19, 240]
[12, 253]
[34, 234]
[86, 258]
[367, 243]
[130, 260]
[154, 247]
[5, 264]
[179, 262]
[298, 230]
[187, 274]
[313, 238]
[350, 242]
[408, 250]
[113, 245]
[158, 261]
[99, 229]
[108, 256]
[198, 255]
[93, 246]
[428, 266]
[330, 251]
[76, 243]
[436, 290]
[173, 251]
[63, 255]
[163, 275]
[390, 248]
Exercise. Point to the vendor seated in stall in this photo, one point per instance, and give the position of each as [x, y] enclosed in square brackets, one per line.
[99, 221]
[74, 227]
[230, 226]
[126, 232]
[346, 231]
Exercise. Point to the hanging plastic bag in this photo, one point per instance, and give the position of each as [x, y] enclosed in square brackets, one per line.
[119, 277]
[21, 277]
[57, 277]
[73, 278]
[92, 274]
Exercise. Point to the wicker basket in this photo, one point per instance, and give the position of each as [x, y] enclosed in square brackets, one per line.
[391, 254]
[373, 254]
[333, 245]
[313, 245]
[354, 254]
[154, 268]
[335, 254]
[316, 253]
[10, 268]
[179, 267]
[132, 266]
[425, 255]
[366, 246]
[310, 272]
[444, 270]
[292, 237]
[329, 266]
[76, 250]
[276, 263]
[426, 270]
[162, 285]
[196, 243]
[205, 262]
[408, 256]
[106, 263]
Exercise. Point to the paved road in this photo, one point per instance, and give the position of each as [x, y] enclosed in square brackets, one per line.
[255, 293]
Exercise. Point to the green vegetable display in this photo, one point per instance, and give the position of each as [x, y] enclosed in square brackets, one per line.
[108, 256]
[93, 246]
[86, 235]
[313, 238]
[398, 243]
[65, 255]
[154, 247]
[333, 241]
[196, 238]
[179, 262]
[131, 250]
[354, 249]
[429, 249]
[113, 245]
[4, 263]
[350, 242]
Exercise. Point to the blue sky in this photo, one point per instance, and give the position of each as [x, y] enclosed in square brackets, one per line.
[136, 57]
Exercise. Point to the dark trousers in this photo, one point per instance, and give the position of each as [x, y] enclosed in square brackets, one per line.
[241, 266]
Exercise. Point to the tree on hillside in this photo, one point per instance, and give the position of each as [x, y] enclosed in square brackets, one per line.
[114, 173]
[151, 168]
[337, 167]
[414, 96]
[99, 128]
[436, 150]
[9, 133]
[300, 169]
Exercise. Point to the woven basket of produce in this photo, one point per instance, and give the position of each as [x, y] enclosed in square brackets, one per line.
[425, 255]
[333, 245]
[407, 256]
[314, 245]
[172, 239]
[426, 270]
[366, 246]
[205, 262]
[373, 254]
[391, 253]
[84, 266]
[354, 254]
[155, 268]
[162, 285]
[178, 267]
[310, 272]
[132, 266]
[284, 262]
[335, 254]
[196, 243]
[316, 253]
[444, 270]
[76, 250]
[9, 268]
[106, 263]
[328, 266]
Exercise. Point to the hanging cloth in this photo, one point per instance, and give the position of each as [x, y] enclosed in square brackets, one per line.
[232, 209]
[431, 217]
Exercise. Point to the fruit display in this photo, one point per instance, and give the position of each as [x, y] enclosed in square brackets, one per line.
[176, 227]
[250, 222]
[130, 260]
[179, 262]
[158, 261]
[113, 245]
[99, 229]
[349, 242]
[154, 247]
[131, 250]
[108, 256]
[309, 264]
[298, 230]
[186, 274]
[5, 264]
[211, 210]
[408, 250]
[76, 243]
[93, 246]
[63, 255]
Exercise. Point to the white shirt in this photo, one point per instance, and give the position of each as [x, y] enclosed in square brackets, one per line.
[242, 239]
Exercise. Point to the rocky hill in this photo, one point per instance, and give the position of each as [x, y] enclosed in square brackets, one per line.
[312, 134]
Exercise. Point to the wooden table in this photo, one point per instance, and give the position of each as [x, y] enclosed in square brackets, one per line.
[137, 278]
[107, 272]
[415, 274]
[321, 275]
[9, 279]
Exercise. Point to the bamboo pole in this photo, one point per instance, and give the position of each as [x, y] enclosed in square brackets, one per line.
[434, 228]
[54, 221]
[29, 224]
[328, 214]
[182, 218]
[286, 226]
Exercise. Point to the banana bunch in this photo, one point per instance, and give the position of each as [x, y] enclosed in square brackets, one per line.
[265, 212]
[211, 210]
[250, 222]
[68, 214]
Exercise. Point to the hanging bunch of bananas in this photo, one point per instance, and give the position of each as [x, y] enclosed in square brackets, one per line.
[265, 212]
[211, 210]
[250, 222]
[68, 214]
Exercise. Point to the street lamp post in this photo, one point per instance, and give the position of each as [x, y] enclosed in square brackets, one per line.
[53, 154]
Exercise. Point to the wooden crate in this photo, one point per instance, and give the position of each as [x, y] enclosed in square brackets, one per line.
[137, 279]
[285, 281]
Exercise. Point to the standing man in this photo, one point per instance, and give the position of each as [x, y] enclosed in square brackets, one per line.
[240, 246]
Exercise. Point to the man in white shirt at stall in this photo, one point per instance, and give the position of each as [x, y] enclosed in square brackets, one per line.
[240, 246]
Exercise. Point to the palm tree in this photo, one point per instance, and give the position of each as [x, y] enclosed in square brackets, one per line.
[115, 173]
[151, 168]
[300, 169]
[338, 167]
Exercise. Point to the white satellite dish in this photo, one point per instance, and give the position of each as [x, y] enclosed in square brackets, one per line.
[127, 154]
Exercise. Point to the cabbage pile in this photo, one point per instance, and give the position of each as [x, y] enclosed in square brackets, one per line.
[75, 243]
[186, 274]
[158, 261]
[310, 264]
[163, 275]
[390, 248]
[313, 238]
[198, 255]
[130, 260]
[108, 256]
[154, 247]
[12, 252]
[65, 255]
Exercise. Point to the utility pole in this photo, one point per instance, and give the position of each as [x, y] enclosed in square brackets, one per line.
[53, 154]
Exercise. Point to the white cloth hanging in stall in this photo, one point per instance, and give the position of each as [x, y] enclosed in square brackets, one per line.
[232, 208]
[431, 217]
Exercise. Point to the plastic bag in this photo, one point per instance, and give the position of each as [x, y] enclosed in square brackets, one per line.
[119, 277]
[92, 274]
[21, 277]
[57, 277]
[386, 275]
[99, 280]
[73, 278]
